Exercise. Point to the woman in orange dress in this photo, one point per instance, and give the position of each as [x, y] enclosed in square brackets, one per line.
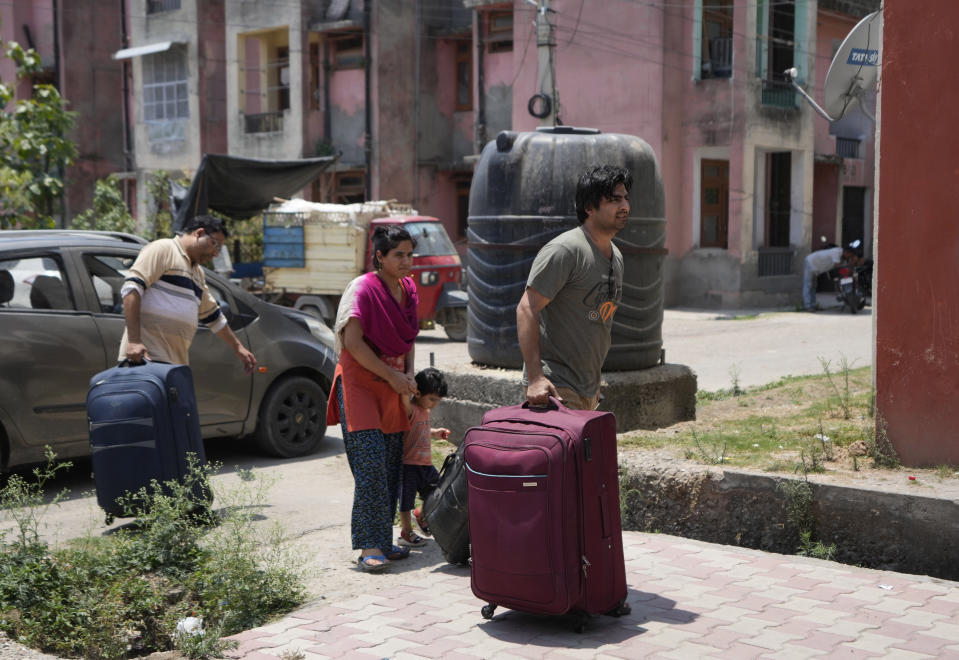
[376, 326]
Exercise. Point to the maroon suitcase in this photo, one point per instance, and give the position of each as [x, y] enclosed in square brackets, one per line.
[543, 505]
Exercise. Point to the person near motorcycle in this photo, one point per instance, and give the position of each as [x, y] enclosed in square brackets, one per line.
[822, 261]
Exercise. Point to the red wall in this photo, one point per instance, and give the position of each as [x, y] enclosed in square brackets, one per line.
[211, 17]
[824, 203]
[917, 306]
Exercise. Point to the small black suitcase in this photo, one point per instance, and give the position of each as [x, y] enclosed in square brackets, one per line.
[445, 510]
[143, 423]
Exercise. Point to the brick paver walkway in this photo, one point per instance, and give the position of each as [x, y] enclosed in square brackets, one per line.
[689, 600]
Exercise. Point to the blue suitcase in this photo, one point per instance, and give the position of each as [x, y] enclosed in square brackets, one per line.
[143, 422]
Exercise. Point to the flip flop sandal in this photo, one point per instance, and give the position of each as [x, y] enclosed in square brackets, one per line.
[364, 563]
[412, 540]
[396, 552]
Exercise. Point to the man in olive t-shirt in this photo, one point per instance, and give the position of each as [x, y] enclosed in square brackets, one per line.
[565, 316]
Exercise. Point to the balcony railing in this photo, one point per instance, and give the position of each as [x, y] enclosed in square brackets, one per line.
[847, 147]
[156, 6]
[263, 122]
[775, 261]
[778, 94]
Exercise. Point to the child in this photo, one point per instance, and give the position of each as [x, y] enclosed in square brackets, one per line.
[419, 476]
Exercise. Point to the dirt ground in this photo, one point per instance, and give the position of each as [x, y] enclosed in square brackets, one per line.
[849, 464]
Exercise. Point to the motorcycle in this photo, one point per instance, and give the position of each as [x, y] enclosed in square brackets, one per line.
[849, 292]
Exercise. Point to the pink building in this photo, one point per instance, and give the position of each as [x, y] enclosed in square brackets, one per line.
[408, 92]
[75, 40]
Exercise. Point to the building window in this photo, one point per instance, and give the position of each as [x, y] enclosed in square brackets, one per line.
[156, 6]
[714, 203]
[717, 39]
[776, 47]
[264, 77]
[281, 69]
[847, 147]
[346, 50]
[462, 184]
[499, 31]
[348, 187]
[779, 194]
[464, 75]
[165, 95]
[315, 76]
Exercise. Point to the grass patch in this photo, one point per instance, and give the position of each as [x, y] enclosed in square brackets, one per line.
[124, 594]
[796, 424]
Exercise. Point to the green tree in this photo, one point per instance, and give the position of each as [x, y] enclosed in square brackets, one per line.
[109, 211]
[33, 146]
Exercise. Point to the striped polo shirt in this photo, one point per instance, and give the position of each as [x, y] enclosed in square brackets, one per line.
[173, 299]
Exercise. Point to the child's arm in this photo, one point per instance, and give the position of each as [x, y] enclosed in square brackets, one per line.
[407, 405]
[440, 433]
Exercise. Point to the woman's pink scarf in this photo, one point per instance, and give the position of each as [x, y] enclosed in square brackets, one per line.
[388, 327]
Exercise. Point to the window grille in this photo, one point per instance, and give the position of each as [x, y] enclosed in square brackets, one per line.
[165, 94]
[156, 6]
[847, 147]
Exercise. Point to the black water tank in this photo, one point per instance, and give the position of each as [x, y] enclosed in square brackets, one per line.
[523, 194]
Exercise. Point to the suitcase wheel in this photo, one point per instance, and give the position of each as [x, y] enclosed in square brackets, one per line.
[623, 609]
[579, 627]
[488, 610]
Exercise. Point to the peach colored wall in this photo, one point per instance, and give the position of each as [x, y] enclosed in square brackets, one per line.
[346, 91]
[917, 301]
[828, 27]
[438, 193]
[445, 92]
[609, 67]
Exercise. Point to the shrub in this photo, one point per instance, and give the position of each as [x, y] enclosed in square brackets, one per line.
[107, 597]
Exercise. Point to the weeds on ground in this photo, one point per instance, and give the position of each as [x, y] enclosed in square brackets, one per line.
[842, 393]
[709, 450]
[799, 516]
[880, 447]
[791, 425]
[108, 597]
[944, 472]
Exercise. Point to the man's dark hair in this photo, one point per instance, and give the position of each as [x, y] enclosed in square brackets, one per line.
[597, 184]
[431, 381]
[208, 223]
[387, 237]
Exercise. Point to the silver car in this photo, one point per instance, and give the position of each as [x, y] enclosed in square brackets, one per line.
[61, 319]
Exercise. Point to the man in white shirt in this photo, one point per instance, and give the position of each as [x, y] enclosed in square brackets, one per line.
[818, 262]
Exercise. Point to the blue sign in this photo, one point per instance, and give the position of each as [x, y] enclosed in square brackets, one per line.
[863, 57]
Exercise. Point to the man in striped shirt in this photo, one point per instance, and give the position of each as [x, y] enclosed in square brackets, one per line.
[165, 296]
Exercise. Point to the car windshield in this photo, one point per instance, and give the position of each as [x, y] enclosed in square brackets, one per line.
[431, 239]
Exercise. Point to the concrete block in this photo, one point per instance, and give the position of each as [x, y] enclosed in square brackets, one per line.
[643, 399]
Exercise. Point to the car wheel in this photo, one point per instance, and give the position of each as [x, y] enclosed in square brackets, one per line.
[292, 418]
[455, 325]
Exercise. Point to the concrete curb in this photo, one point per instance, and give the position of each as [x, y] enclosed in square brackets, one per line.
[871, 528]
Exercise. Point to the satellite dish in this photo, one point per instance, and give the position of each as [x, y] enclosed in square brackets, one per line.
[852, 73]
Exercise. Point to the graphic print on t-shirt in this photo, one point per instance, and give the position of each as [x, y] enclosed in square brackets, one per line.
[601, 301]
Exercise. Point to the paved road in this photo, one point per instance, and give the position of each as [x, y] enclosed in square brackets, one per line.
[753, 346]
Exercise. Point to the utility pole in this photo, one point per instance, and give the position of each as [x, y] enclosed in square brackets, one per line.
[545, 108]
